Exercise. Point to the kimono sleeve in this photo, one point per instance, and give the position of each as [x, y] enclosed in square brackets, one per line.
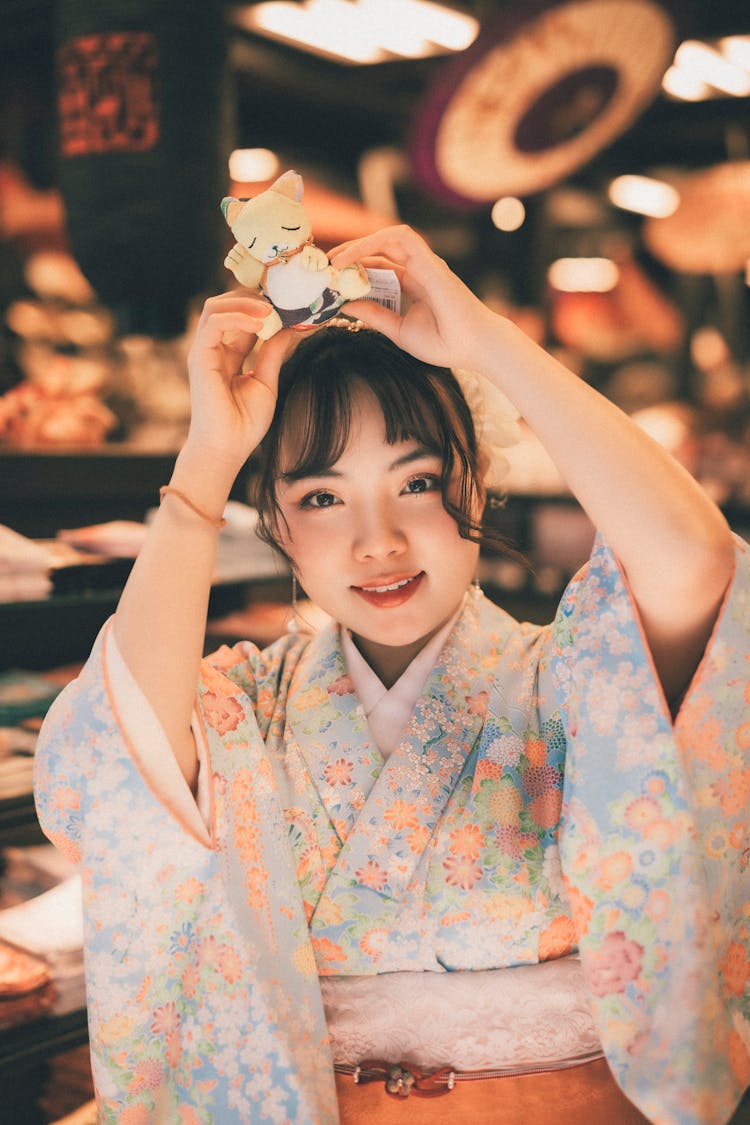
[202, 993]
[95, 722]
[655, 846]
[78, 727]
[257, 680]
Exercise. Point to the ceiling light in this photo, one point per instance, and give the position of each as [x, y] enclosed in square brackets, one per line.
[583, 275]
[685, 85]
[708, 65]
[508, 213]
[323, 26]
[362, 31]
[453, 31]
[644, 195]
[736, 50]
[394, 27]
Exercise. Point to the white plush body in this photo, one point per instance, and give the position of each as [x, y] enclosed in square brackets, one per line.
[293, 285]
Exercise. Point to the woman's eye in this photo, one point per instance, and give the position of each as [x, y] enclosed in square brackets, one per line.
[426, 482]
[319, 500]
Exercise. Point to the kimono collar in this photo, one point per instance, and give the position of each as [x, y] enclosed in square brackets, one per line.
[388, 710]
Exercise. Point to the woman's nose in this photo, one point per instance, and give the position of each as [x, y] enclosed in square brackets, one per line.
[378, 533]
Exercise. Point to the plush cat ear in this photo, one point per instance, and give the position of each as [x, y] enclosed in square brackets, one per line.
[290, 185]
[230, 208]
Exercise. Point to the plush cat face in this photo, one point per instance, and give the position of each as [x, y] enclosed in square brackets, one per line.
[272, 222]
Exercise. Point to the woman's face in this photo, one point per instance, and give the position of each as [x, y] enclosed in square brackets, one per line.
[372, 543]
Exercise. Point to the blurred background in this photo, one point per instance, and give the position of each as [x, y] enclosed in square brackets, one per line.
[584, 165]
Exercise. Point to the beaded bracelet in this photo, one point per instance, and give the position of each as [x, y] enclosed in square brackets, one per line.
[167, 488]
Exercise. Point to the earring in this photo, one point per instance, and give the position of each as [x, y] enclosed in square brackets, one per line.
[293, 626]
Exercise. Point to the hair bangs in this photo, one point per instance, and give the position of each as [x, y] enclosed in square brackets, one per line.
[318, 390]
[317, 424]
[408, 409]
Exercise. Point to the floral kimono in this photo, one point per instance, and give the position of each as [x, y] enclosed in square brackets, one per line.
[541, 800]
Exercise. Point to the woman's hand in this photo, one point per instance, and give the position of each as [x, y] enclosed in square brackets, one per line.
[671, 540]
[161, 619]
[444, 320]
[231, 409]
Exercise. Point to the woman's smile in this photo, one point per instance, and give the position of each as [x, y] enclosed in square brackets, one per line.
[390, 593]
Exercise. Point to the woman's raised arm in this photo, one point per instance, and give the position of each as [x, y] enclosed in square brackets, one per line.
[672, 541]
[161, 618]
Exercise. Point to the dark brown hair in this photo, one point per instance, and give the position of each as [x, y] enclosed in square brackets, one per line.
[420, 402]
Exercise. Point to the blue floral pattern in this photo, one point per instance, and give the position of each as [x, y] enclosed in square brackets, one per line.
[541, 800]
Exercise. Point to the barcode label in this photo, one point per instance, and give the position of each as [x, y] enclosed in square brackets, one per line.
[385, 289]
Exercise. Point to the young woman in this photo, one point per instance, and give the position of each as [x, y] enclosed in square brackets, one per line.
[428, 854]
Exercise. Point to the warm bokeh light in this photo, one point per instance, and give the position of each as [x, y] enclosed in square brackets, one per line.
[508, 213]
[447, 28]
[253, 165]
[708, 65]
[644, 195]
[394, 29]
[363, 31]
[583, 275]
[736, 49]
[685, 85]
[318, 26]
[708, 348]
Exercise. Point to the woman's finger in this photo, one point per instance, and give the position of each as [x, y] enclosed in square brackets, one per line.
[398, 243]
[272, 354]
[234, 300]
[381, 262]
[375, 316]
[230, 324]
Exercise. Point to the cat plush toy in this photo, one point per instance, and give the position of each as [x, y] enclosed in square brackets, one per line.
[275, 254]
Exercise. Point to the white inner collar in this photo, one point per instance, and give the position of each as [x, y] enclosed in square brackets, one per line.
[388, 710]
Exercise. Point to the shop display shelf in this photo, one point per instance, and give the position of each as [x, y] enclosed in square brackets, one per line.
[33, 1041]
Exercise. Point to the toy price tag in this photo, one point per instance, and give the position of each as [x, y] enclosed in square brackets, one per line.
[385, 289]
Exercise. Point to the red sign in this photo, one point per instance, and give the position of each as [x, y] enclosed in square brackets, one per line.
[107, 93]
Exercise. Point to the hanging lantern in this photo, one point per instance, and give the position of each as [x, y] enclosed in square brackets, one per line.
[140, 88]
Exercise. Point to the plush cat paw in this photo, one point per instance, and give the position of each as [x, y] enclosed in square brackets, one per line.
[353, 282]
[244, 266]
[313, 259]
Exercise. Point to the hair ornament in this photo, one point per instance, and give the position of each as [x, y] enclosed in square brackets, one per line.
[495, 422]
[347, 322]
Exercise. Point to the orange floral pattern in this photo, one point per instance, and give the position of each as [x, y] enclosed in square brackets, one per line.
[558, 939]
[222, 713]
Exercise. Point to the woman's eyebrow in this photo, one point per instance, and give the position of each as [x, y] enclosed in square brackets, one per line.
[308, 472]
[417, 454]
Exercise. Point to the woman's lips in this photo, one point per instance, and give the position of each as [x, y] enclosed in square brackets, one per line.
[392, 592]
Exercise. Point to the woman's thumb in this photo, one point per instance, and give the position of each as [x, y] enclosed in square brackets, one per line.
[271, 354]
